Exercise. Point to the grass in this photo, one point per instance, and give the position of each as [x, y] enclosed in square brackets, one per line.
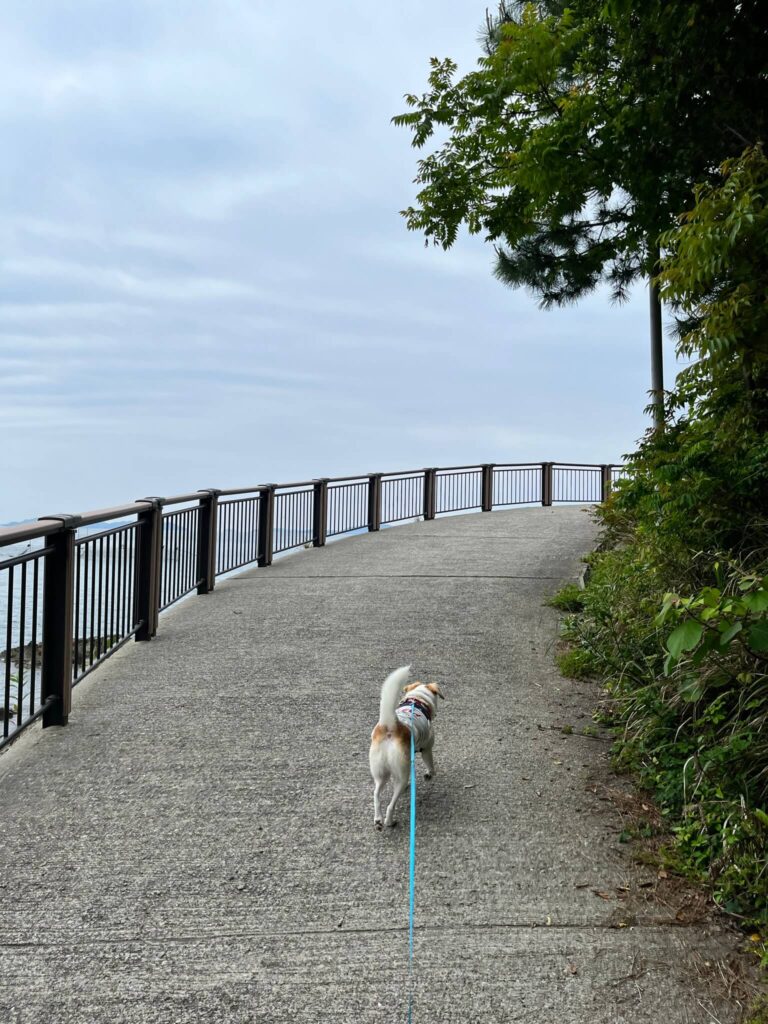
[576, 663]
[569, 598]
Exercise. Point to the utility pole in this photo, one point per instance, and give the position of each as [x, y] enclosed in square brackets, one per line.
[657, 356]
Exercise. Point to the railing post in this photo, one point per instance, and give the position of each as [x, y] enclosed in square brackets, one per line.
[265, 546]
[546, 483]
[149, 564]
[374, 502]
[58, 602]
[605, 482]
[487, 488]
[206, 540]
[319, 512]
[430, 476]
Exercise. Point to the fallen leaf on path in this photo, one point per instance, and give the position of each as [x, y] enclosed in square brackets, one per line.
[603, 895]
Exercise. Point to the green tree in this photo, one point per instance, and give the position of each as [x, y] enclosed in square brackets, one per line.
[703, 484]
[578, 139]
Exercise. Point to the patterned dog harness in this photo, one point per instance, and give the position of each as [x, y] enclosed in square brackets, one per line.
[415, 715]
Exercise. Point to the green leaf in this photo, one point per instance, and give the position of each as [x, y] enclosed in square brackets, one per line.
[684, 638]
[758, 636]
[757, 602]
[761, 816]
[730, 633]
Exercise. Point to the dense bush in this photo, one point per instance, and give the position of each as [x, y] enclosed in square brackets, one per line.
[676, 610]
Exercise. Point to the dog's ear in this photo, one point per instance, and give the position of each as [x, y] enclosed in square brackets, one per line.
[436, 690]
[411, 686]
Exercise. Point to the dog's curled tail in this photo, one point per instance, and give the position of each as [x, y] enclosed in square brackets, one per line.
[390, 695]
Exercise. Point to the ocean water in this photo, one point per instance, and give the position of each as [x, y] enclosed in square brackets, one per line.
[17, 620]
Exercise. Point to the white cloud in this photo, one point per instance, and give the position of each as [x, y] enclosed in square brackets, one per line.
[201, 249]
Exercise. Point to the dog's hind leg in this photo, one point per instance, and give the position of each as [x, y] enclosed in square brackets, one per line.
[378, 785]
[400, 787]
[429, 764]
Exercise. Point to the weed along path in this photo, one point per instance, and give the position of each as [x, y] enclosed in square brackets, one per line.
[197, 845]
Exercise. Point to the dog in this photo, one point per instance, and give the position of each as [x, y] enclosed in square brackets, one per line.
[390, 753]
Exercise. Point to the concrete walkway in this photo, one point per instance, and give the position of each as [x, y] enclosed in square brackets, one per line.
[197, 845]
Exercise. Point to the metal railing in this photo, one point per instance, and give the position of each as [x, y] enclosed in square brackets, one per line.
[71, 597]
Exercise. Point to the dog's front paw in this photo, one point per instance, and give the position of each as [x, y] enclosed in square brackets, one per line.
[378, 825]
[427, 775]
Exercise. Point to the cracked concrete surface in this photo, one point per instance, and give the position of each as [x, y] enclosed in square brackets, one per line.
[197, 844]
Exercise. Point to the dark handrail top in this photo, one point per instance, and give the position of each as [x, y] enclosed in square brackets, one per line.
[45, 527]
[28, 531]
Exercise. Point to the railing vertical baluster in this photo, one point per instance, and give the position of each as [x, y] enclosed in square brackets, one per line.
[122, 619]
[149, 560]
[91, 545]
[174, 524]
[76, 611]
[236, 524]
[430, 475]
[58, 594]
[546, 483]
[111, 632]
[33, 660]
[487, 487]
[266, 518]
[22, 625]
[100, 606]
[119, 580]
[374, 502]
[6, 705]
[232, 534]
[207, 522]
[253, 529]
[319, 512]
[86, 556]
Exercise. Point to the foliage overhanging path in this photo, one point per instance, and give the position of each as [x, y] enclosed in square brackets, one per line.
[198, 843]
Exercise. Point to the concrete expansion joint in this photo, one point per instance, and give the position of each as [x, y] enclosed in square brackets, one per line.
[395, 576]
[598, 926]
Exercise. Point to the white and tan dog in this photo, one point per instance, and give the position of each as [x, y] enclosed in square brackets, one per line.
[390, 753]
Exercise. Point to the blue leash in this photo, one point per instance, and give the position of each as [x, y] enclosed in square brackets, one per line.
[412, 873]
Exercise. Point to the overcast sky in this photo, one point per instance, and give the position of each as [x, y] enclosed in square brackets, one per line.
[206, 280]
